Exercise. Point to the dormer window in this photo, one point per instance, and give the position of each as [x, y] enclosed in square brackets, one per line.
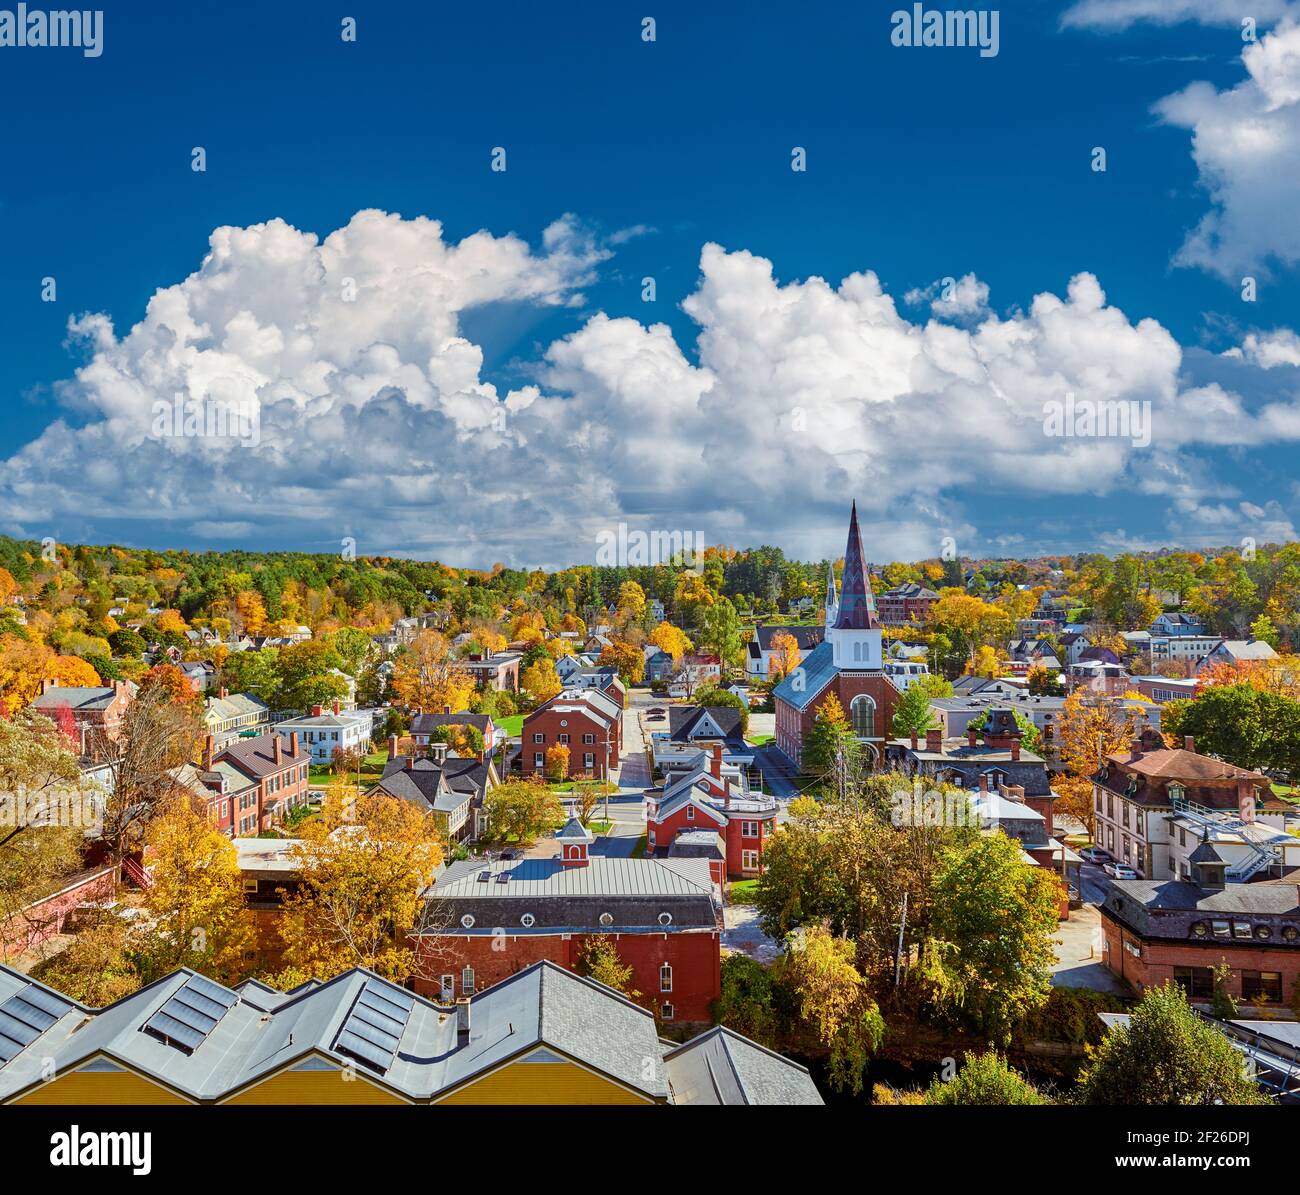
[1176, 791]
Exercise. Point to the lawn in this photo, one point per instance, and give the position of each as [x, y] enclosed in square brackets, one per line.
[742, 892]
[513, 725]
[761, 740]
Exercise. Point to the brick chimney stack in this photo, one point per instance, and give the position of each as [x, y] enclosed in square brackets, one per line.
[1246, 799]
[392, 746]
[1015, 750]
[293, 745]
[338, 708]
[221, 692]
[1135, 749]
[971, 736]
[209, 749]
[726, 799]
[715, 764]
[914, 740]
[1189, 743]
[277, 748]
[934, 741]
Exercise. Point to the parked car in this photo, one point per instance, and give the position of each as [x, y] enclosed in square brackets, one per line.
[1094, 854]
[1120, 871]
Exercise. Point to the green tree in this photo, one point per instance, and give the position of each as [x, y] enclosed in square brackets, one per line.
[1030, 738]
[912, 714]
[717, 630]
[985, 1079]
[829, 736]
[1166, 1055]
[715, 696]
[522, 810]
[994, 915]
[1240, 724]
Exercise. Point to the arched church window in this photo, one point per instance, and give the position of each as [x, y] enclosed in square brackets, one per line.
[863, 714]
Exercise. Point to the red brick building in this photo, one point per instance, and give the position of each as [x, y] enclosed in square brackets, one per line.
[848, 663]
[253, 783]
[712, 798]
[497, 918]
[909, 603]
[587, 721]
[1180, 931]
[97, 712]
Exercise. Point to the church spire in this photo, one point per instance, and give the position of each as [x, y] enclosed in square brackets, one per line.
[857, 607]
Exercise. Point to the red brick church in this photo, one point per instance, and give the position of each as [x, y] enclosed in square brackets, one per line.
[849, 663]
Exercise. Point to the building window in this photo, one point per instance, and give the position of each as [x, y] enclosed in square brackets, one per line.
[539, 738]
[467, 981]
[690, 813]
[748, 860]
[1261, 985]
[749, 829]
[588, 738]
[863, 712]
[665, 978]
[448, 986]
[539, 760]
[588, 760]
[1197, 982]
[666, 1012]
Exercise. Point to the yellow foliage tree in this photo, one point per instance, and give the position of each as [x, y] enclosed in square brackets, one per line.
[785, 655]
[672, 640]
[426, 678]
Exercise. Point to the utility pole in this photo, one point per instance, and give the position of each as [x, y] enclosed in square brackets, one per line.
[898, 957]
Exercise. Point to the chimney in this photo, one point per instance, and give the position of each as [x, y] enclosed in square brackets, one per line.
[277, 748]
[407, 761]
[47, 685]
[446, 709]
[913, 740]
[971, 735]
[462, 1022]
[209, 749]
[1015, 750]
[984, 782]
[222, 693]
[293, 745]
[392, 746]
[1246, 799]
[934, 741]
[715, 765]
[726, 799]
[1135, 749]
[337, 707]
[317, 711]
[1189, 743]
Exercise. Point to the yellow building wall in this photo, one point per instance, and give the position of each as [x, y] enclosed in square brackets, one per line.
[543, 1083]
[314, 1087]
[99, 1088]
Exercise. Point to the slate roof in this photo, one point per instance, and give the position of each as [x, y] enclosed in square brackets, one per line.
[443, 787]
[428, 723]
[684, 719]
[256, 756]
[816, 670]
[77, 697]
[806, 637]
[857, 608]
[722, 1067]
[1170, 908]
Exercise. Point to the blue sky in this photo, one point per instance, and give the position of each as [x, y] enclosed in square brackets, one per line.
[922, 164]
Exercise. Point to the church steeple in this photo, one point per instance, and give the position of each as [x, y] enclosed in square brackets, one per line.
[832, 602]
[857, 609]
[855, 634]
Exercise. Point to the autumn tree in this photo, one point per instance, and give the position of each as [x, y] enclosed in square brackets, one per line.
[176, 686]
[627, 658]
[829, 736]
[834, 1001]
[671, 640]
[200, 919]
[557, 763]
[1090, 728]
[785, 655]
[522, 810]
[426, 679]
[156, 738]
[631, 603]
[598, 959]
[912, 713]
[39, 841]
[541, 680]
[362, 895]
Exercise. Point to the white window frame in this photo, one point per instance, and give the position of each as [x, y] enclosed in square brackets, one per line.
[665, 974]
